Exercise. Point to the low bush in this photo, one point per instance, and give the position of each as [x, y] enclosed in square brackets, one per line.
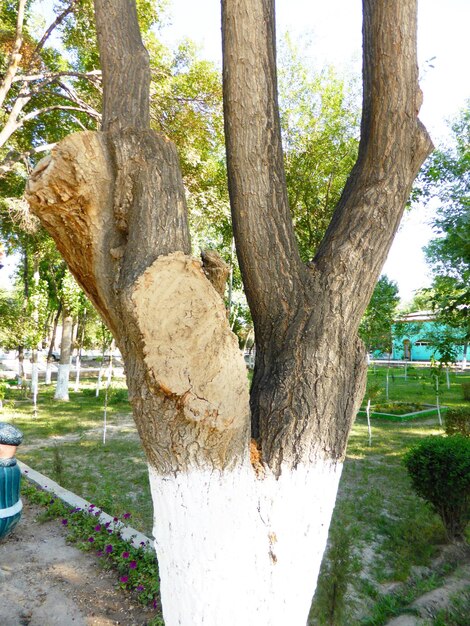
[398, 408]
[457, 421]
[439, 468]
[466, 391]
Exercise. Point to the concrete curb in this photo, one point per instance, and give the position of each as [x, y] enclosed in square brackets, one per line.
[127, 532]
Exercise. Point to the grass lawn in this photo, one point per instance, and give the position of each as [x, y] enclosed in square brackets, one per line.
[382, 538]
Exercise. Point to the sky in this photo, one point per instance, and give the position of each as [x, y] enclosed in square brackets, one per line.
[329, 33]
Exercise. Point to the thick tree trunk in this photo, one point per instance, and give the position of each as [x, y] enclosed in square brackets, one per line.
[63, 370]
[240, 530]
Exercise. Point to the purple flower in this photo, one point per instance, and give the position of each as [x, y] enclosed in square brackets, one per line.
[110, 531]
[65, 522]
[115, 519]
[124, 579]
[126, 515]
[91, 507]
[125, 555]
[90, 539]
[155, 604]
[99, 553]
[98, 527]
[132, 564]
[109, 548]
[139, 588]
[52, 501]
[107, 525]
[98, 513]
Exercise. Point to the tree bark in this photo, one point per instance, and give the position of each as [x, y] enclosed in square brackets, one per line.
[232, 517]
[310, 366]
[63, 370]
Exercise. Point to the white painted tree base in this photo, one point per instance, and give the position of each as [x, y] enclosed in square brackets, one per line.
[62, 388]
[236, 550]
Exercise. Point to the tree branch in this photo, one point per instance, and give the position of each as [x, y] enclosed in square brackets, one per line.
[59, 19]
[125, 66]
[14, 157]
[57, 107]
[392, 148]
[15, 56]
[91, 76]
[263, 230]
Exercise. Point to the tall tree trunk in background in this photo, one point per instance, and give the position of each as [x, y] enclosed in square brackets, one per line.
[50, 358]
[240, 527]
[63, 370]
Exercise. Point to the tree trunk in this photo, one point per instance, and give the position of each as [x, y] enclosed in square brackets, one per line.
[63, 370]
[240, 528]
[50, 358]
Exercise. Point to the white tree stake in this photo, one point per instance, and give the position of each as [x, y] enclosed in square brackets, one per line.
[437, 400]
[108, 383]
[386, 386]
[368, 421]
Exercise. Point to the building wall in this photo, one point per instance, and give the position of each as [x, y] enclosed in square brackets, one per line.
[417, 348]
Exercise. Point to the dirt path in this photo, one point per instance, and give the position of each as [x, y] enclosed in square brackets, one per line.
[45, 582]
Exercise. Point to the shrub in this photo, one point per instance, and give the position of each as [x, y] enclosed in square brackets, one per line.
[466, 391]
[439, 468]
[458, 421]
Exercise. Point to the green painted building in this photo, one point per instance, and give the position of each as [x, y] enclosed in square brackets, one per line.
[413, 334]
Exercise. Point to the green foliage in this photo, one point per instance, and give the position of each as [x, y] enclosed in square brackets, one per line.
[457, 421]
[136, 568]
[439, 468]
[446, 176]
[329, 607]
[398, 408]
[466, 391]
[319, 121]
[376, 324]
[456, 614]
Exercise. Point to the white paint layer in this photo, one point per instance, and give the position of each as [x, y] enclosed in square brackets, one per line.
[62, 388]
[48, 375]
[234, 549]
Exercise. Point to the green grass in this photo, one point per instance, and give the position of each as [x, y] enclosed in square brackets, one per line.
[65, 442]
[393, 531]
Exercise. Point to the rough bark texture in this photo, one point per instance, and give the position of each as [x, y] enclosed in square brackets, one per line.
[169, 322]
[115, 204]
[310, 366]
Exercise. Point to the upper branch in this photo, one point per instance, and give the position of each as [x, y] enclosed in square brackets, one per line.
[263, 229]
[125, 66]
[393, 146]
[15, 56]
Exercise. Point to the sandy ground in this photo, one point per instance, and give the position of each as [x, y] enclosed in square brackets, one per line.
[45, 582]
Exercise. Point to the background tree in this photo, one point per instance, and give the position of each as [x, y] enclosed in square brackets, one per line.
[320, 131]
[225, 525]
[446, 181]
[375, 328]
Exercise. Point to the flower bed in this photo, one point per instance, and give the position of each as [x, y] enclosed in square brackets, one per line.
[402, 411]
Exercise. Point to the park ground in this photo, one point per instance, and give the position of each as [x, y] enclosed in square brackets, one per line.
[387, 562]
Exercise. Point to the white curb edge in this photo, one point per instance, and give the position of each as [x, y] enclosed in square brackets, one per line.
[128, 533]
